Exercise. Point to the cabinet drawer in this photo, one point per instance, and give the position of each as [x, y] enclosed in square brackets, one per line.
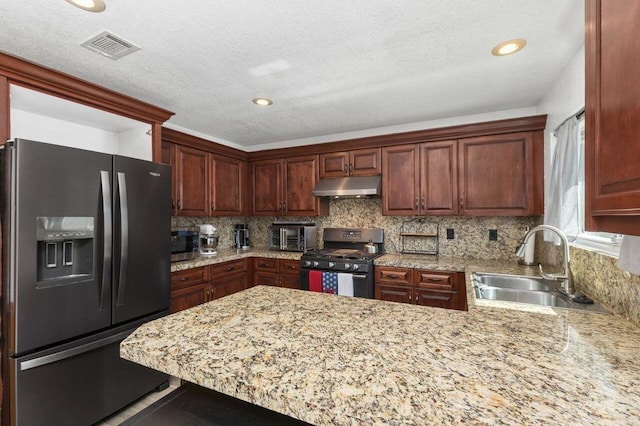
[226, 268]
[265, 264]
[435, 280]
[289, 266]
[265, 278]
[391, 275]
[189, 277]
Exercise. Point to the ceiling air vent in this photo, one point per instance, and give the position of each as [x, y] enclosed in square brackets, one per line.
[110, 45]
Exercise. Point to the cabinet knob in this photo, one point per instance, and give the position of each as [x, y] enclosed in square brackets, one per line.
[179, 205]
[350, 168]
[416, 204]
[173, 204]
[345, 168]
[423, 204]
[461, 203]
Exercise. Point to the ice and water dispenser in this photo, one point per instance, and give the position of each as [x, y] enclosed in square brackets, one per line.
[65, 250]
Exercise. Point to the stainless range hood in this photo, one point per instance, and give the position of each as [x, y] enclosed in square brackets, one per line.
[348, 187]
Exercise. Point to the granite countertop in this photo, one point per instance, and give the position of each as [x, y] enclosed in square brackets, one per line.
[329, 359]
[227, 254]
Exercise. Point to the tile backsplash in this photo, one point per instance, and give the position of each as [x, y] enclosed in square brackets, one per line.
[471, 234]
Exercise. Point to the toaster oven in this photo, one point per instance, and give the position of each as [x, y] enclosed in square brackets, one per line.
[293, 236]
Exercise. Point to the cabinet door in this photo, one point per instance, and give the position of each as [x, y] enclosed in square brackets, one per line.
[436, 299]
[168, 156]
[290, 281]
[300, 177]
[394, 276]
[334, 164]
[189, 277]
[267, 187]
[401, 181]
[612, 108]
[265, 278]
[192, 181]
[189, 297]
[393, 293]
[229, 285]
[227, 186]
[439, 178]
[496, 175]
[365, 162]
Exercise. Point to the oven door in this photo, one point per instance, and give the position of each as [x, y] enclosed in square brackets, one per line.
[363, 285]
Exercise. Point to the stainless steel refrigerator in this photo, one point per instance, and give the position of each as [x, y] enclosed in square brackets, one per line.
[86, 260]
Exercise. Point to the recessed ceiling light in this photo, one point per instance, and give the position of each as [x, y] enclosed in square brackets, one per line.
[509, 47]
[89, 5]
[262, 101]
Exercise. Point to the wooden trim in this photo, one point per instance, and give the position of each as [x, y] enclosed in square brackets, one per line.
[592, 79]
[5, 129]
[512, 125]
[156, 142]
[538, 171]
[180, 138]
[46, 80]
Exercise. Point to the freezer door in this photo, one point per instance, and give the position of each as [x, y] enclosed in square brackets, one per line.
[142, 238]
[78, 383]
[57, 266]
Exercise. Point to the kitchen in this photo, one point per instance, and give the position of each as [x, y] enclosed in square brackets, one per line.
[597, 274]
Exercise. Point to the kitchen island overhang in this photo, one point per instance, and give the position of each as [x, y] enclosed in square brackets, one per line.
[328, 359]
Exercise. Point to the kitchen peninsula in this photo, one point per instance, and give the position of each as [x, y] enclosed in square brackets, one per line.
[329, 359]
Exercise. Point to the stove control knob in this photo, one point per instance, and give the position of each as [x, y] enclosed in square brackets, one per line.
[316, 264]
[356, 267]
[332, 264]
[347, 266]
[307, 263]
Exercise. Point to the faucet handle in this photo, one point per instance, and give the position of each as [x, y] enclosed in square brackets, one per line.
[552, 277]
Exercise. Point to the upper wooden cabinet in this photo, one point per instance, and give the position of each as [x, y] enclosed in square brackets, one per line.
[420, 179]
[361, 162]
[496, 175]
[283, 187]
[192, 181]
[204, 183]
[612, 116]
[228, 183]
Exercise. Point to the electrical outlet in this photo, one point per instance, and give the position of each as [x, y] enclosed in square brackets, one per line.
[450, 234]
[493, 235]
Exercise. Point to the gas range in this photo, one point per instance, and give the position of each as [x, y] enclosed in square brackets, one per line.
[344, 253]
[339, 260]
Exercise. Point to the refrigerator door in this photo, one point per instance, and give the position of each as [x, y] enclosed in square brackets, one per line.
[58, 265]
[142, 243]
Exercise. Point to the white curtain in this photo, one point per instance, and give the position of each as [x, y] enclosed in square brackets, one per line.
[562, 204]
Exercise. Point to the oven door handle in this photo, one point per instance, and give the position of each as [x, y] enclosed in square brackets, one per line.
[359, 276]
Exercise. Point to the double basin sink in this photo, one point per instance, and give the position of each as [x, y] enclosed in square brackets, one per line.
[524, 289]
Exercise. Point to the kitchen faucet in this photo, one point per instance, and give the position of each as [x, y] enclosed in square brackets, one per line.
[566, 277]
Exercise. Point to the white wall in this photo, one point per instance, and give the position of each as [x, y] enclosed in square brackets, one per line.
[27, 125]
[135, 143]
[564, 98]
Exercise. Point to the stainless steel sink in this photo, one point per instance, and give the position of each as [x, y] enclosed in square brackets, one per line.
[516, 282]
[541, 298]
[529, 290]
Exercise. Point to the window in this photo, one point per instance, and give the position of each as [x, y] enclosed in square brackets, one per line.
[602, 242]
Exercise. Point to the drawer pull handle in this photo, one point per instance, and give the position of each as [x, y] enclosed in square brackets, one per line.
[183, 279]
[230, 268]
[394, 276]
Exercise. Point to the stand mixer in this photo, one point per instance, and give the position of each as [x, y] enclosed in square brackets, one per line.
[208, 240]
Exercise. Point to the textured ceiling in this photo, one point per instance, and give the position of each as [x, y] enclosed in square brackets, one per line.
[330, 66]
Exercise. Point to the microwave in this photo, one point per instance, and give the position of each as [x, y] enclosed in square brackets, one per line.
[293, 236]
[185, 243]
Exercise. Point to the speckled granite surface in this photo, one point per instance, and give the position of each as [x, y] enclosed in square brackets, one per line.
[329, 359]
[225, 255]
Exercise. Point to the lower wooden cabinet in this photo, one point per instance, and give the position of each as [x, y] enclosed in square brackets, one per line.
[276, 272]
[421, 287]
[192, 287]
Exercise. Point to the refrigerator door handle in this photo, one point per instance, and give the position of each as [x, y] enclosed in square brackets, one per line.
[108, 235]
[124, 237]
[59, 356]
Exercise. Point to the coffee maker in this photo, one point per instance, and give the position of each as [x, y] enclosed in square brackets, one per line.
[208, 239]
[241, 236]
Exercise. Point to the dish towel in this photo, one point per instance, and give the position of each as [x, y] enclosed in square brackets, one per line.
[330, 282]
[629, 259]
[315, 281]
[345, 284]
